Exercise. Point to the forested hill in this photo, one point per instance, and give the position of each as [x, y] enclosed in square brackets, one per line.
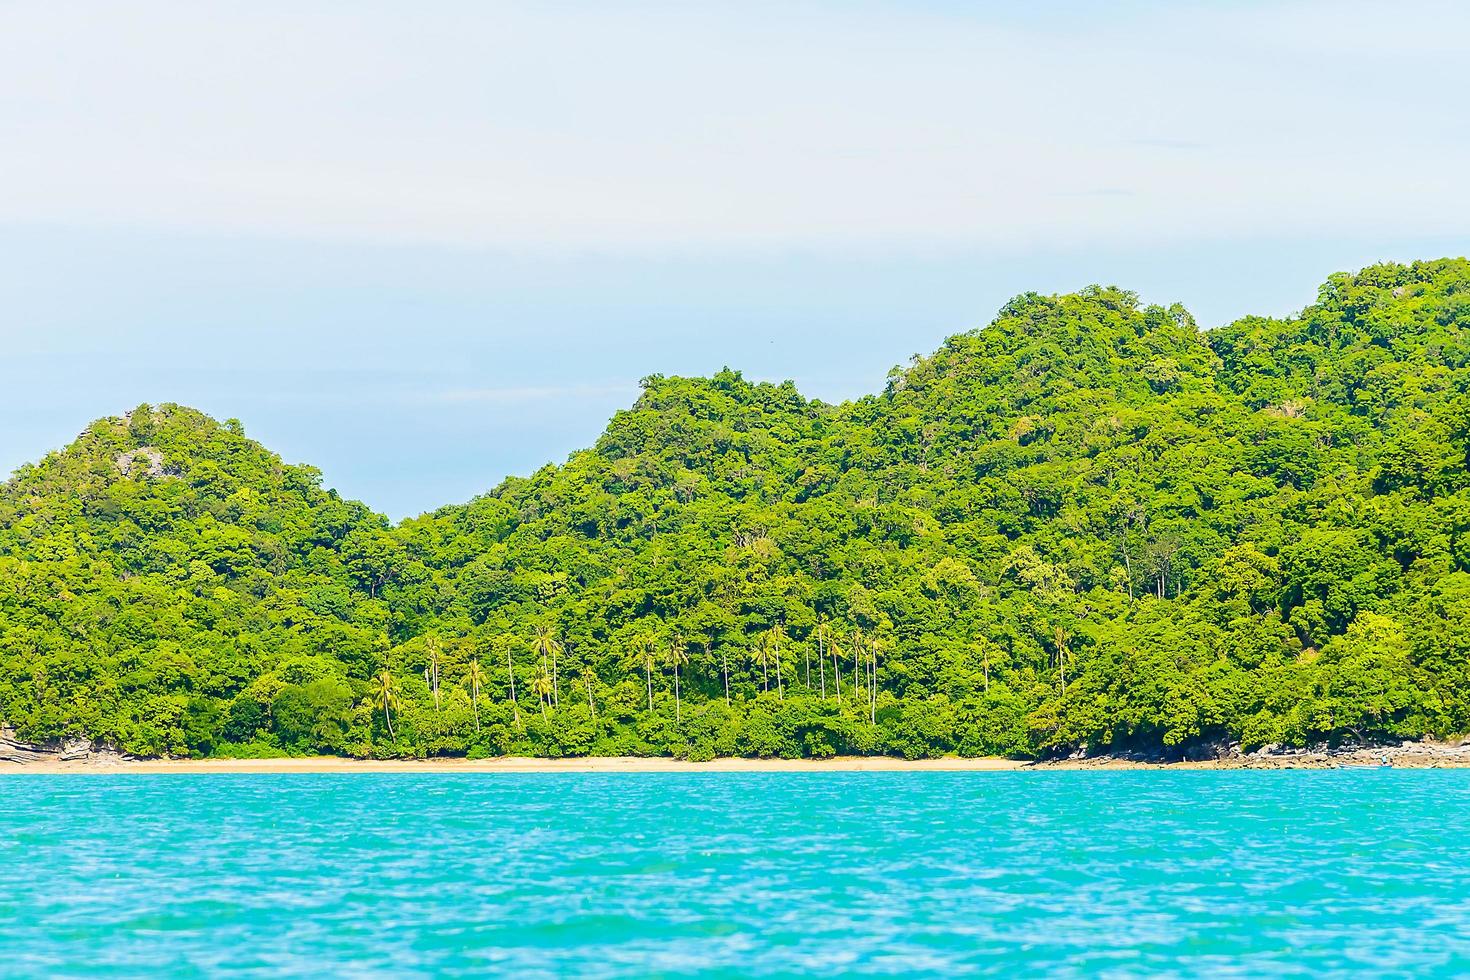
[1088, 525]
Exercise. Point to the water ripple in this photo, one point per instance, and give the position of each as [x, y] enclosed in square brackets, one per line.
[1081, 873]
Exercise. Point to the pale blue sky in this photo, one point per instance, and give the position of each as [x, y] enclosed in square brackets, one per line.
[425, 246]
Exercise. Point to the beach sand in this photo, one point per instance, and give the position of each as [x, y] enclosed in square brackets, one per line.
[509, 764]
[628, 764]
[1415, 755]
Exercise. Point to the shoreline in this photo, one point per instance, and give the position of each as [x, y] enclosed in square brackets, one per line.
[504, 764]
[658, 764]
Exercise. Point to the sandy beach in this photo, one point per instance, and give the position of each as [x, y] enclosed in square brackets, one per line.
[509, 764]
[1427, 757]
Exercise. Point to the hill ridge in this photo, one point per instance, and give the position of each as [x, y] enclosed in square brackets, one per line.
[1088, 525]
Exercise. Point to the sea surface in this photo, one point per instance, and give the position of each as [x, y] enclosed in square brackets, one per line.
[1313, 873]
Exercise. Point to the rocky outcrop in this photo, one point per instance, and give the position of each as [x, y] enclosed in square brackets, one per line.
[22, 752]
[145, 460]
[1425, 754]
[12, 750]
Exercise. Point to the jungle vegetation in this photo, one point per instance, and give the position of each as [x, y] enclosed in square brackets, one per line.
[1090, 525]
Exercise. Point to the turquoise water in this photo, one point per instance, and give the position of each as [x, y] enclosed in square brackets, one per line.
[1119, 873]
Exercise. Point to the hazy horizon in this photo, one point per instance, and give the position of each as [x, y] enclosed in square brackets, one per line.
[423, 250]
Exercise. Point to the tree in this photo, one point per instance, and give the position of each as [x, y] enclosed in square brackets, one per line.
[510, 673]
[542, 686]
[761, 653]
[875, 646]
[725, 669]
[477, 681]
[549, 647]
[775, 637]
[1060, 638]
[678, 654]
[373, 558]
[806, 651]
[644, 657]
[836, 670]
[984, 646]
[386, 694]
[823, 636]
[589, 678]
[432, 646]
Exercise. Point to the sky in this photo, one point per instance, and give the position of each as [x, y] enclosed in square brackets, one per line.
[426, 246]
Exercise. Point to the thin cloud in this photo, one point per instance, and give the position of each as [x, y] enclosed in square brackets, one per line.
[748, 126]
[1168, 143]
[529, 393]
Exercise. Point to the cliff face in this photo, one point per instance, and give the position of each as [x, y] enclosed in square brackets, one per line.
[13, 750]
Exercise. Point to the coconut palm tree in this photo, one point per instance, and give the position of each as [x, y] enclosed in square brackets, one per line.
[386, 695]
[541, 684]
[432, 643]
[776, 636]
[985, 662]
[549, 647]
[868, 667]
[510, 671]
[836, 668]
[806, 650]
[857, 649]
[477, 681]
[645, 656]
[678, 654]
[761, 656]
[724, 669]
[1060, 637]
[823, 637]
[589, 677]
[875, 646]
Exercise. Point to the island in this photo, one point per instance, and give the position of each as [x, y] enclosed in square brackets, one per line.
[1088, 531]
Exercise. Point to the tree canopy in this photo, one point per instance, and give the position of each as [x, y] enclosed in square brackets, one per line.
[1089, 525]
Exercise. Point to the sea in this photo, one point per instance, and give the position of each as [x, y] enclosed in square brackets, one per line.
[1050, 873]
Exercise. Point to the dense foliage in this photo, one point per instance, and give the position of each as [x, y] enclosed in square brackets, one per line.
[1088, 525]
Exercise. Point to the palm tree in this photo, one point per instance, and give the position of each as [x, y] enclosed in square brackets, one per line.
[589, 676]
[867, 655]
[857, 649]
[433, 645]
[477, 681]
[724, 669]
[836, 671]
[510, 670]
[386, 694]
[806, 651]
[548, 646]
[1061, 637]
[541, 684]
[775, 636]
[678, 654]
[644, 656]
[759, 654]
[823, 635]
[875, 645]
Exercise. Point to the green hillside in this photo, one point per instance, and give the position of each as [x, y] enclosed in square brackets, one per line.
[1089, 525]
